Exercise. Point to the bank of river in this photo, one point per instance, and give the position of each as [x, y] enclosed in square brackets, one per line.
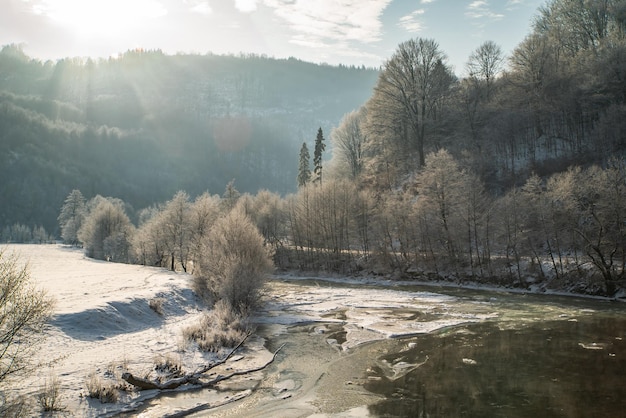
[354, 350]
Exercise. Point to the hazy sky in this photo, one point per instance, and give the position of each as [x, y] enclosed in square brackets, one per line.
[333, 31]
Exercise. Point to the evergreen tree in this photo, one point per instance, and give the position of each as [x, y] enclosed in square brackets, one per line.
[71, 217]
[304, 173]
[317, 155]
[230, 197]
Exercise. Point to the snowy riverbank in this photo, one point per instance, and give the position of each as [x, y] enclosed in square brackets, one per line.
[103, 323]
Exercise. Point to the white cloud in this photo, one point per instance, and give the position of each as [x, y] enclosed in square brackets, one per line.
[479, 9]
[319, 23]
[427, 1]
[199, 6]
[411, 22]
[246, 6]
[478, 4]
[514, 4]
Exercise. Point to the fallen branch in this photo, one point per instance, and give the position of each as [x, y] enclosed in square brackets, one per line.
[194, 378]
[221, 378]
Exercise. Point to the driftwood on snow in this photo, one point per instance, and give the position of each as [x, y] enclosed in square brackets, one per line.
[194, 378]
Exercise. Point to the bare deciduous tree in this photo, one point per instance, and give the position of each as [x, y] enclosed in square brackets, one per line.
[175, 223]
[348, 139]
[484, 65]
[24, 311]
[414, 80]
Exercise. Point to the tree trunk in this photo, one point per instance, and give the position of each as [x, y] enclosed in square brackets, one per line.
[194, 378]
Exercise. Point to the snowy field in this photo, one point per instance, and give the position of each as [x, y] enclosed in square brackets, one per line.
[103, 321]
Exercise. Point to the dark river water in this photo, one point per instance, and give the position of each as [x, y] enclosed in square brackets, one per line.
[533, 356]
[543, 356]
[569, 368]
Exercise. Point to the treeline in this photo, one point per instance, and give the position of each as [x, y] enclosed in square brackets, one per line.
[144, 125]
[566, 232]
[24, 234]
[210, 237]
[140, 85]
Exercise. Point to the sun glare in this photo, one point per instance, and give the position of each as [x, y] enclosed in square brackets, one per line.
[101, 18]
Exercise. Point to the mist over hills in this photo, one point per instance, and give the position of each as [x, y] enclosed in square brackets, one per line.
[145, 124]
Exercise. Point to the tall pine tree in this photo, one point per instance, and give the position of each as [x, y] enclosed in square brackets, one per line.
[304, 173]
[71, 217]
[317, 156]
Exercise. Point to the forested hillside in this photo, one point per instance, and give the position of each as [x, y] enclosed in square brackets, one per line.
[144, 125]
[558, 100]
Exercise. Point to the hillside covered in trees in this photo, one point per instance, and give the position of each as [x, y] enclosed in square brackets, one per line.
[144, 125]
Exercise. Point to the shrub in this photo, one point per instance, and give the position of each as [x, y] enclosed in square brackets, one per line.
[105, 392]
[50, 395]
[234, 261]
[220, 328]
[168, 366]
[156, 304]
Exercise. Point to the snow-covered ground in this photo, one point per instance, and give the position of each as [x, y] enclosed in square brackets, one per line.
[103, 322]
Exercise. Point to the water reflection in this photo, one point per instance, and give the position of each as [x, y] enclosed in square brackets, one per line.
[567, 368]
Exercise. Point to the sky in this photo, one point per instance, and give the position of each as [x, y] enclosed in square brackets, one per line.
[350, 32]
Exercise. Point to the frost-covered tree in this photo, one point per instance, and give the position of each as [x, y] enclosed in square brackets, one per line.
[147, 242]
[176, 230]
[452, 212]
[204, 212]
[268, 214]
[348, 139]
[230, 196]
[72, 216]
[106, 232]
[234, 262]
[304, 171]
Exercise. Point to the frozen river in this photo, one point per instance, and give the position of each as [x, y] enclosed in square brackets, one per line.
[370, 350]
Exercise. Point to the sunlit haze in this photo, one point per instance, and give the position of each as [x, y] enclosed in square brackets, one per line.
[352, 32]
[103, 19]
